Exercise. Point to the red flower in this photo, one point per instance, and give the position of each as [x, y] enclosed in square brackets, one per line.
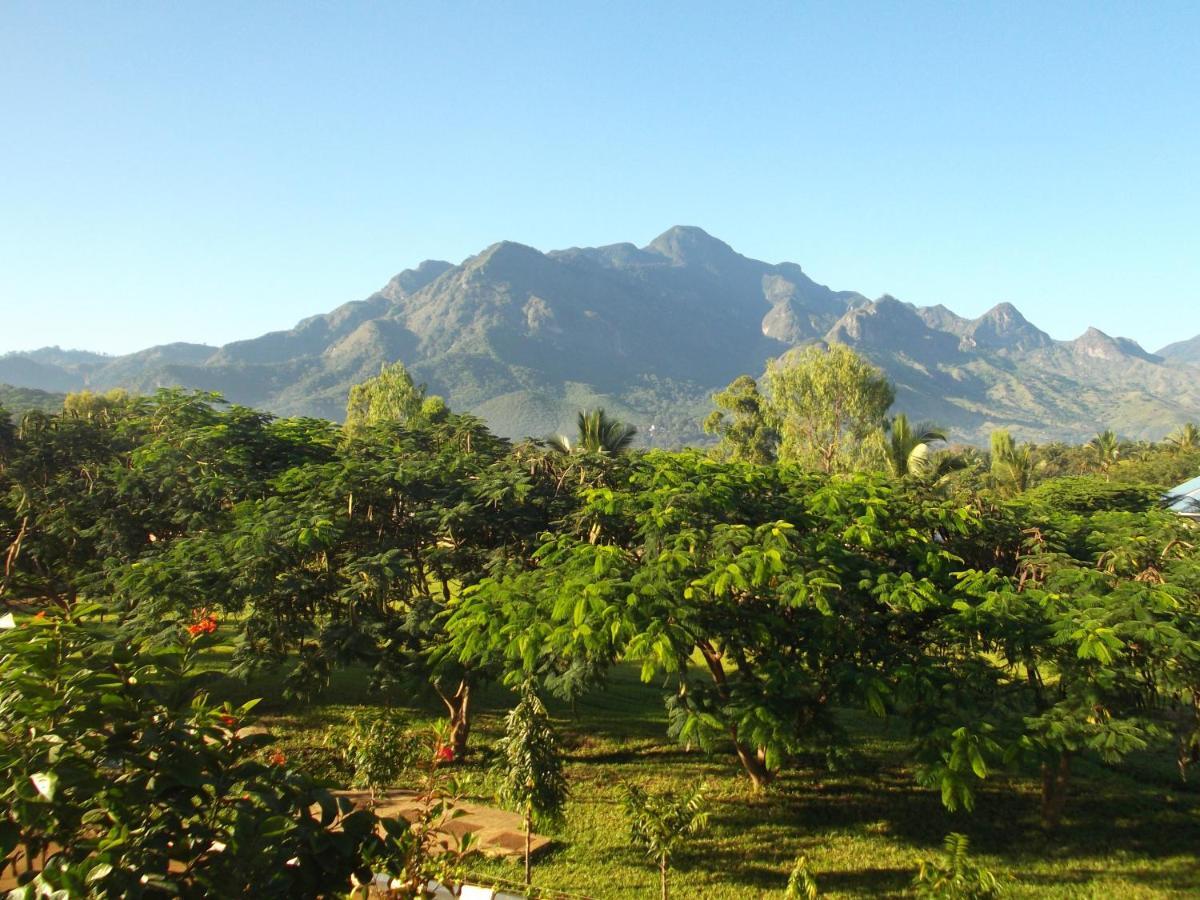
[205, 625]
[444, 754]
[278, 759]
[228, 721]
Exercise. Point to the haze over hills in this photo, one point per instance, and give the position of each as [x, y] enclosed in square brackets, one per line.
[525, 338]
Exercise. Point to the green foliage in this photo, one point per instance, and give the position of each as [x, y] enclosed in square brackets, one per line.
[19, 400]
[390, 398]
[530, 766]
[1013, 466]
[379, 750]
[743, 422]
[1088, 494]
[957, 877]
[802, 884]
[827, 402]
[596, 433]
[115, 764]
[910, 448]
[530, 762]
[662, 824]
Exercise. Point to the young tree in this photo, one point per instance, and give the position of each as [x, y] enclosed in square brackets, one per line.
[531, 767]
[661, 824]
[744, 423]
[827, 402]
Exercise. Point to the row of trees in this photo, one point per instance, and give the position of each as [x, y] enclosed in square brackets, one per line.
[827, 409]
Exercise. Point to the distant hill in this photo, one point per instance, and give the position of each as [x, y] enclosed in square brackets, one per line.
[1183, 351]
[525, 338]
[19, 400]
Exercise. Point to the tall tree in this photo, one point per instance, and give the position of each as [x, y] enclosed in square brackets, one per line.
[828, 402]
[744, 423]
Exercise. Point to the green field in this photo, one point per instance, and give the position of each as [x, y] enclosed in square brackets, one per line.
[1129, 831]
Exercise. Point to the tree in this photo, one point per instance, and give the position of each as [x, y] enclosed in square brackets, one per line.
[909, 448]
[744, 423]
[87, 405]
[597, 433]
[1186, 438]
[531, 767]
[1012, 467]
[827, 402]
[661, 824]
[791, 588]
[390, 397]
[1105, 450]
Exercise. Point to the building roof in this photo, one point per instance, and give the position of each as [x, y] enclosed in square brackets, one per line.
[1185, 499]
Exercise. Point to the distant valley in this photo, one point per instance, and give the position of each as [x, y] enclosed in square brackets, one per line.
[524, 339]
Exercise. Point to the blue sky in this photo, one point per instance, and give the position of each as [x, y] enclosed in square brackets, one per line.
[209, 171]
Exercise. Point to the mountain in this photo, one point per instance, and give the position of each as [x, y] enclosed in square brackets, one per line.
[525, 338]
[1182, 351]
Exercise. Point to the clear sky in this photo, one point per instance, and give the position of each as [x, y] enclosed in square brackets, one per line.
[209, 171]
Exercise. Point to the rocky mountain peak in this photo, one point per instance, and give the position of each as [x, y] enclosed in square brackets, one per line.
[412, 280]
[689, 245]
[1004, 328]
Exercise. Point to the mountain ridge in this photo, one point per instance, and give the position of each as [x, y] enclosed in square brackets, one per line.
[524, 338]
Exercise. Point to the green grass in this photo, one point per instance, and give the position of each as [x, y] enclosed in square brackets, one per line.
[1132, 831]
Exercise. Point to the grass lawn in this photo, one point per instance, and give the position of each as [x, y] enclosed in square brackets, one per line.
[1128, 832]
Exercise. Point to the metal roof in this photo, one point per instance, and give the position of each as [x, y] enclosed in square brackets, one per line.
[1185, 499]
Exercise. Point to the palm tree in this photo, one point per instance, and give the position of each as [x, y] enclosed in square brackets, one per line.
[1106, 450]
[909, 448]
[597, 434]
[1186, 437]
[1013, 466]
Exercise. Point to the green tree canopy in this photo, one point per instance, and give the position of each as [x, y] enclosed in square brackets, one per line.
[390, 397]
[828, 403]
[744, 422]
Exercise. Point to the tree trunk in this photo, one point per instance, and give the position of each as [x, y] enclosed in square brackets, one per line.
[458, 706]
[754, 764]
[752, 761]
[1054, 790]
[662, 876]
[528, 841]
